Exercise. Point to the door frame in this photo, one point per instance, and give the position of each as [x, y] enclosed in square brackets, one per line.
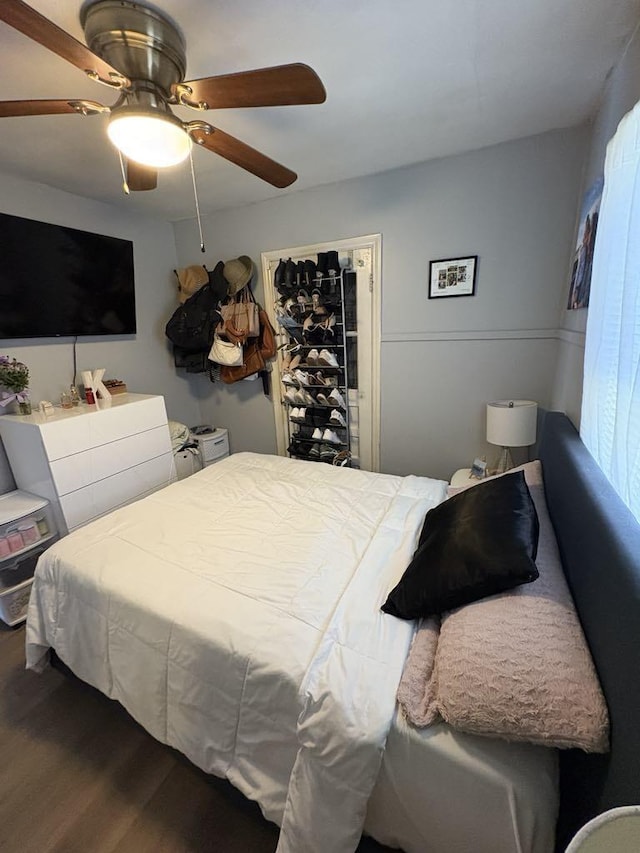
[268, 260]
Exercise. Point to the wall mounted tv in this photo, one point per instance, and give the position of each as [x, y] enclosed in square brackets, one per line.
[57, 281]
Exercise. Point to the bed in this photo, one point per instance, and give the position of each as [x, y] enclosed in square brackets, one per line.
[236, 616]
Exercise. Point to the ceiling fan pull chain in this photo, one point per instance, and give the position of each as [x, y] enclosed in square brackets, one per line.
[195, 195]
[125, 185]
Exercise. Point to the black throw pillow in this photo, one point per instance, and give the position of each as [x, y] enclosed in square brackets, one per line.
[480, 542]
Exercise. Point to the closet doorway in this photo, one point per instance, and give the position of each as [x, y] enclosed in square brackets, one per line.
[355, 302]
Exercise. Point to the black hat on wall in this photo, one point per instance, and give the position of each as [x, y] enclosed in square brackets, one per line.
[218, 282]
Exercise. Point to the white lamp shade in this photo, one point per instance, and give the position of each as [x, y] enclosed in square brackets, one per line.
[512, 423]
[150, 140]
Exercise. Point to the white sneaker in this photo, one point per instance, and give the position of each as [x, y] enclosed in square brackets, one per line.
[298, 416]
[335, 398]
[312, 357]
[301, 377]
[327, 358]
[306, 398]
[330, 436]
[317, 435]
[290, 396]
[324, 401]
[336, 418]
[287, 379]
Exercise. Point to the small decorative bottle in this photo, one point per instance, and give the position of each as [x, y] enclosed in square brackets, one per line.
[74, 395]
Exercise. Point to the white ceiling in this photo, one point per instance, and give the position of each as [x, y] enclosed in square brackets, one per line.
[406, 81]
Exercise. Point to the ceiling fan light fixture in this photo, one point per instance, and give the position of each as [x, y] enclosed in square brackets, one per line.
[152, 140]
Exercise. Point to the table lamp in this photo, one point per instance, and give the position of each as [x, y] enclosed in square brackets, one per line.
[510, 423]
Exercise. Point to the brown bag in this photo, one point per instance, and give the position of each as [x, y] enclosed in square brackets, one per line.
[267, 339]
[240, 316]
[255, 353]
[253, 362]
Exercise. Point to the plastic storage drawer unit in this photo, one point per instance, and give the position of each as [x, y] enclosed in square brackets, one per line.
[26, 530]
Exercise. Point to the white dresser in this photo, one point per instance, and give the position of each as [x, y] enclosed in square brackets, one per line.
[91, 459]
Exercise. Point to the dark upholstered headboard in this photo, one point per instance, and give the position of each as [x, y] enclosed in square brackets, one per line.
[599, 542]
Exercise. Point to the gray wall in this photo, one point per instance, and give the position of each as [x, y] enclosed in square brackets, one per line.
[621, 93]
[513, 205]
[143, 360]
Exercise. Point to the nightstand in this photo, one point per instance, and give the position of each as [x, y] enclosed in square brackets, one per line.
[462, 477]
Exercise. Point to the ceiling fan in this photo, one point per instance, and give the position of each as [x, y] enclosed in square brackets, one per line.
[140, 53]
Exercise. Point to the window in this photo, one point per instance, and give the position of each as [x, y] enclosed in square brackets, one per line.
[610, 424]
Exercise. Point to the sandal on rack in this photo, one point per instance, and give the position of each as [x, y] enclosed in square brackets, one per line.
[342, 458]
[290, 356]
[329, 333]
[311, 331]
[327, 381]
[293, 363]
[317, 304]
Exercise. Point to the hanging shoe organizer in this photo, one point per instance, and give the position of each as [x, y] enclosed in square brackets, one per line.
[314, 362]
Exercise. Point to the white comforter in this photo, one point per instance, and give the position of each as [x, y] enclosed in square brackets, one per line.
[236, 615]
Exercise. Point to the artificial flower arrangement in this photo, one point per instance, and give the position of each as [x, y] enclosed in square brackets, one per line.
[14, 384]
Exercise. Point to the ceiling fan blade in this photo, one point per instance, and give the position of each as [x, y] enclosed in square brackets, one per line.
[34, 108]
[35, 26]
[244, 156]
[281, 85]
[141, 177]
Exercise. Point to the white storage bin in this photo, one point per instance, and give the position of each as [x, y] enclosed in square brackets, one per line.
[187, 463]
[14, 603]
[213, 446]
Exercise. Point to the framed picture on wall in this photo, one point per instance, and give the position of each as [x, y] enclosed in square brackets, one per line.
[453, 277]
[580, 283]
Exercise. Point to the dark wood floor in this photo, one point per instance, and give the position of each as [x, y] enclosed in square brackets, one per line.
[78, 775]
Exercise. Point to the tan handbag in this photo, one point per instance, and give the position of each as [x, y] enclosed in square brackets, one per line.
[240, 316]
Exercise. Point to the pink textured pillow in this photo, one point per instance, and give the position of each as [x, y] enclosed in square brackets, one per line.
[517, 665]
[416, 692]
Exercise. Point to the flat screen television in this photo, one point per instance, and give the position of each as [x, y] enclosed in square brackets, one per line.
[57, 281]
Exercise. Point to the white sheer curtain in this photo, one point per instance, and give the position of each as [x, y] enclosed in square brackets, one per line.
[610, 423]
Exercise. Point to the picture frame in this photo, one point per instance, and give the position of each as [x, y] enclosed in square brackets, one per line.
[478, 469]
[453, 277]
[582, 261]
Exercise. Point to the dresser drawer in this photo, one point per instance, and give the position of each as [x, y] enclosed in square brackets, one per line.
[94, 428]
[81, 469]
[83, 505]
